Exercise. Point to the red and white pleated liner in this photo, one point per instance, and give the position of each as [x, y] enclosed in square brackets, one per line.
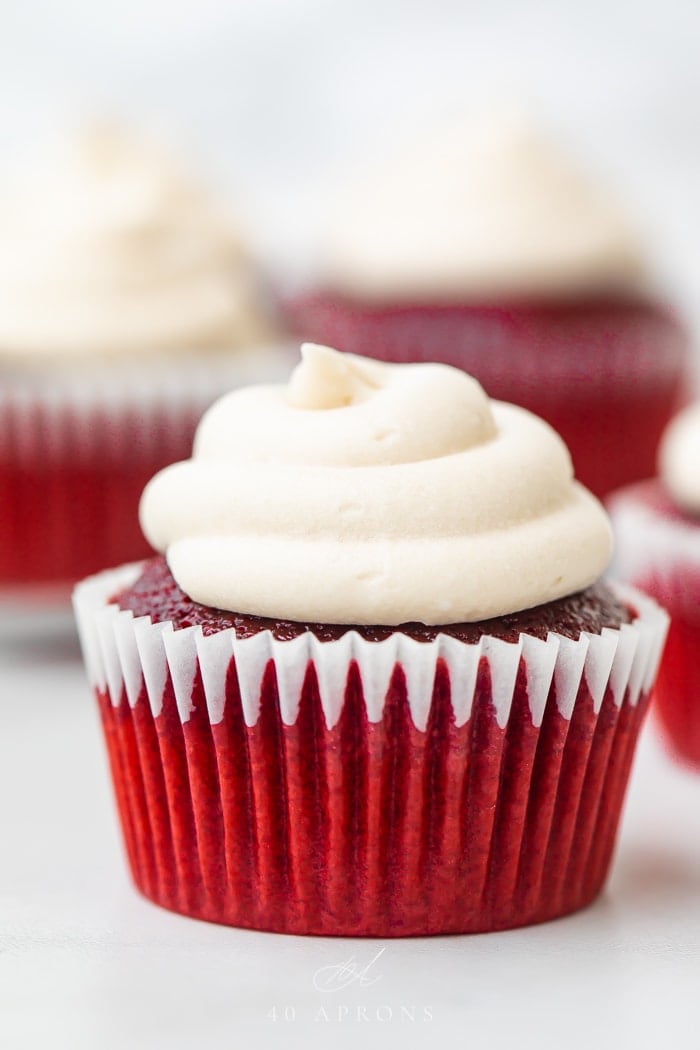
[35, 400]
[652, 545]
[373, 788]
[79, 440]
[661, 554]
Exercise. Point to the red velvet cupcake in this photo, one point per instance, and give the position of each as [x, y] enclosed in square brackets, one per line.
[489, 252]
[444, 744]
[127, 307]
[657, 524]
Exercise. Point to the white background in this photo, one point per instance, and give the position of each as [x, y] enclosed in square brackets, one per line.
[278, 99]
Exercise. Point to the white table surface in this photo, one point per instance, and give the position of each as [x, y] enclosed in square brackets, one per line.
[86, 963]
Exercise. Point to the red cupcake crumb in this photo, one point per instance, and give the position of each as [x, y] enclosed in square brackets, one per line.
[156, 594]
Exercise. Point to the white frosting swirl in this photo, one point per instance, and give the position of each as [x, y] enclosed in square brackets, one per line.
[111, 249]
[374, 494]
[481, 211]
[679, 459]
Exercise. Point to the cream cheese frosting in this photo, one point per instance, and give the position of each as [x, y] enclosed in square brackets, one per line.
[489, 209]
[110, 248]
[679, 459]
[370, 493]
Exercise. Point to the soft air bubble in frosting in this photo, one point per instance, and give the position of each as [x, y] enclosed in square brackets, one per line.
[487, 209]
[109, 247]
[370, 493]
[679, 459]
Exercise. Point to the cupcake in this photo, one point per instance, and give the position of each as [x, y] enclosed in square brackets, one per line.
[375, 687]
[489, 251]
[127, 305]
[658, 527]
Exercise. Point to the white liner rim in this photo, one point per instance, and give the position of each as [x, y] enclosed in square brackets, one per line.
[123, 653]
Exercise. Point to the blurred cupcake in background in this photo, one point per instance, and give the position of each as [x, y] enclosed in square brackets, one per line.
[127, 305]
[657, 524]
[487, 249]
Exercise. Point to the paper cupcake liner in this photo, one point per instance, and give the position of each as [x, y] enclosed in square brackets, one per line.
[649, 541]
[662, 557]
[593, 342]
[78, 444]
[366, 788]
[607, 382]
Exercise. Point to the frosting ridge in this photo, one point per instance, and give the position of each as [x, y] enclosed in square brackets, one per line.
[375, 494]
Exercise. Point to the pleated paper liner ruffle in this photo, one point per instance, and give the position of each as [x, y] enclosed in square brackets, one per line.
[662, 557]
[366, 788]
[78, 443]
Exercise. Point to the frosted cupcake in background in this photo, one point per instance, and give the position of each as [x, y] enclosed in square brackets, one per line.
[658, 528]
[377, 688]
[486, 248]
[127, 305]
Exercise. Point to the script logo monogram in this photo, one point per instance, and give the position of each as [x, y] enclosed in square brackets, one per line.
[341, 975]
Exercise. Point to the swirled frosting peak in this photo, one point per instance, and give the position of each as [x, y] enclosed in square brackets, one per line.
[108, 247]
[327, 379]
[679, 459]
[370, 493]
[487, 209]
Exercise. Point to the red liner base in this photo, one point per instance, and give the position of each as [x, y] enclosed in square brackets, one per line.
[85, 480]
[677, 691]
[80, 440]
[371, 829]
